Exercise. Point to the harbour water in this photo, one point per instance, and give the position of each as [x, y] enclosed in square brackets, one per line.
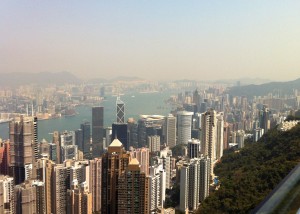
[135, 105]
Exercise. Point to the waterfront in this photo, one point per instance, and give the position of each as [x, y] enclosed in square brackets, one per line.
[135, 105]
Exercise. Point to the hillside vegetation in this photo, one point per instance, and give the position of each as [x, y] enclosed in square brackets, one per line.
[248, 176]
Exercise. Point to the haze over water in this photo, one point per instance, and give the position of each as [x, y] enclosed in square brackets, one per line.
[135, 105]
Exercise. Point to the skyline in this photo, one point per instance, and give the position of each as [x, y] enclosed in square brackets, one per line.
[152, 39]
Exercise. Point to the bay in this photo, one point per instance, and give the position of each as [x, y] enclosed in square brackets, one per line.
[135, 105]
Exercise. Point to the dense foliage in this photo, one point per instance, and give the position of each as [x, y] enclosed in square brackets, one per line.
[248, 176]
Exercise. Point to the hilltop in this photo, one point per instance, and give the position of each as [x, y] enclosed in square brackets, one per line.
[264, 89]
[248, 176]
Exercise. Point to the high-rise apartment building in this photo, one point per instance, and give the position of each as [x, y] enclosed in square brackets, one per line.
[114, 164]
[194, 148]
[189, 185]
[184, 130]
[205, 169]
[157, 187]
[170, 131]
[7, 195]
[219, 136]
[4, 157]
[97, 131]
[96, 177]
[60, 186]
[208, 134]
[29, 197]
[142, 155]
[22, 133]
[79, 199]
[153, 142]
[133, 190]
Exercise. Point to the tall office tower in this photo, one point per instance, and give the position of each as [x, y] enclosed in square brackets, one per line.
[53, 152]
[108, 137]
[220, 136]
[97, 130]
[184, 130]
[157, 187]
[120, 111]
[133, 190]
[153, 143]
[22, 147]
[7, 195]
[86, 138]
[149, 125]
[60, 186]
[265, 119]
[79, 199]
[194, 148]
[205, 169]
[165, 160]
[240, 138]
[96, 176]
[56, 141]
[79, 139]
[69, 150]
[35, 138]
[170, 131]
[142, 155]
[226, 135]
[196, 99]
[132, 133]
[4, 157]
[189, 185]
[114, 163]
[119, 131]
[208, 134]
[29, 197]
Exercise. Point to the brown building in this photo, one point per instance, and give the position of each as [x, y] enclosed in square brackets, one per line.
[4, 157]
[29, 197]
[114, 164]
[133, 190]
[23, 147]
[96, 177]
[79, 199]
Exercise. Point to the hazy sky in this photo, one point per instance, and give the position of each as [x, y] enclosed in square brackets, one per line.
[152, 39]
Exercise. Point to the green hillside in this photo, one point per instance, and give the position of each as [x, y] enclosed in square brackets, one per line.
[248, 176]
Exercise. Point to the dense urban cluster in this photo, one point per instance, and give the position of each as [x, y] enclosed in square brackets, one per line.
[132, 166]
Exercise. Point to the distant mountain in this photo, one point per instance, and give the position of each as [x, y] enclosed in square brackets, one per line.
[244, 81]
[264, 89]
[124, 78]
[21, 78]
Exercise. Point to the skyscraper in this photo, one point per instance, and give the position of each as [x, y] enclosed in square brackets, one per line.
[120, 110]
[157, 187]
[205, 169]
[86, 138]
[114, 164]
[153, 143]
[119, 131]
[184, 131]
[133, 190]
[189, 185]
[194, 148]
[208, 133]
[97, 130]
[96, 177]
[7, 196]
[170, 131]
[219, 136]
[22, 147]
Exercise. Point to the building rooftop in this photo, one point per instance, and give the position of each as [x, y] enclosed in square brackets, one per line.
[116, 143]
